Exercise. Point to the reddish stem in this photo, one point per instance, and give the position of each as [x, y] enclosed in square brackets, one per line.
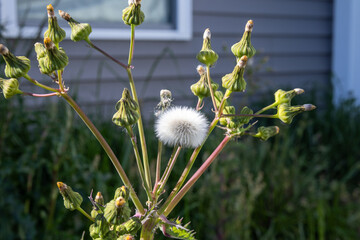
[40, 95]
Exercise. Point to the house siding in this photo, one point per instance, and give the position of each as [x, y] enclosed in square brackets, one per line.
[294, 35]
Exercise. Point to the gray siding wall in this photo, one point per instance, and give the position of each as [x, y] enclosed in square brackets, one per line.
[295, 36]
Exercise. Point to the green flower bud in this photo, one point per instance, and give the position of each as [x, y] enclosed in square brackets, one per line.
[282, 96]
[79, 31]
[122, 192]
[129, 227]
[235, 81]
[264, 133]
[49, 57]
[117, 211]
[72, 200]
[132, 15]
[206, 54]
[100, 228]
[244, 119]
[54, 31]
[127, 110]
[286, 113]
[16, 67]
[10, 87]
[201, 88]
[218, 95]
[99, 200]
[244, 47]
[228, 121]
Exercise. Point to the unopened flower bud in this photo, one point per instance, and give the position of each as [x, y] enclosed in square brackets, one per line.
[50, 57]
[98, 207]
[206, 54]
[79, 31]
[201, 88]
[264, 133]
[16, 67]
[122, 192]
[129, 227]
[100, 229]
[218, 95]
[99, 199]
[117, 211]
[282, 96]
[72, 200]
[127, 110]
[286, 112]
[245, 119]
[132, 15]
[228, 121]
[244, 47]
[54, 31]
[235, 81]
[10, 87]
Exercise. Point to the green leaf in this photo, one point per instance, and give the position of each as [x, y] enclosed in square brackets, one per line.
[175, 230]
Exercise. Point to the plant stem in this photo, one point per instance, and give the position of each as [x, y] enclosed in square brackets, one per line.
[211, 90]
[196, 176]
[40, 95]
[138, 161]
[158, 166]
[250, 115]
[108, 151]
[85, 214]
[40, 85]
[266, 108]
[168, 169]
[140, 123]
[60, 82]
[106, 54]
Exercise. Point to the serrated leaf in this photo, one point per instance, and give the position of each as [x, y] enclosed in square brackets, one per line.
[176, 231]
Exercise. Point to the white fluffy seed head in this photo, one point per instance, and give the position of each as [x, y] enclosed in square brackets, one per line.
[181, 126]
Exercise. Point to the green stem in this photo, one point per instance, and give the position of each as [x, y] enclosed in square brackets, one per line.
[168, 169]
[60, 82]
[138, 161]
[266, 108]
[158, 166]
[40, 85]
[196, 176]
[211, 89]
[140, 123]
[85, 214]
[108, 151]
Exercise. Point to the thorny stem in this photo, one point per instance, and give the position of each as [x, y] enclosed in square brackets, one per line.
[40, 85]
[138, 161]
[168, 169]
[196, 175]
[91, 44]
[108, 151]
[140, 123]
[85, 214]
[211, 90]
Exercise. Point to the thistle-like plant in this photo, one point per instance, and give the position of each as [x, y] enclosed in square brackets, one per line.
[182, 128]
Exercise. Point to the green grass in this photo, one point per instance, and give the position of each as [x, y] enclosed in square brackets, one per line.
[302, 184]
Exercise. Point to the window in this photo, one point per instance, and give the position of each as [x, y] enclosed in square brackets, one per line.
[164, 19]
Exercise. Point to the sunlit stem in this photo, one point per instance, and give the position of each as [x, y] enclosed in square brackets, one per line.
[138, 161]
[211, 89]
[196, 176]
[85, 214]
[250, 115]
[199, 104]
[41, 95]
[40, 85]
[168, 169]
[158, 166]
[108, 151]
[140, 123]
[266, 108]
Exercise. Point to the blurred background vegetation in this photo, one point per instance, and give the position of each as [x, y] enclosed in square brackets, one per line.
[302, 184]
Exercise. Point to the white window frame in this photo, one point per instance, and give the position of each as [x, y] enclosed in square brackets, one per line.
[182, 32]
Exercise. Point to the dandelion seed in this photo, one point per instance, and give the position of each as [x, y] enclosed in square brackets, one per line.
[181, 126]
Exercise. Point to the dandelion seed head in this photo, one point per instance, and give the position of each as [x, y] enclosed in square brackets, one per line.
[181, 126]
